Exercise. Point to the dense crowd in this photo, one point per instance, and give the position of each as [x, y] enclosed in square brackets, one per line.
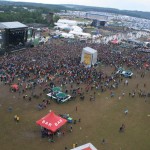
[59, 61]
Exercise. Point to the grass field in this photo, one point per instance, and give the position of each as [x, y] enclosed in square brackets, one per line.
[99, 119]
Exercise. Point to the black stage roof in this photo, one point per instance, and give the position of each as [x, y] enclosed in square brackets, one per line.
[12, 25]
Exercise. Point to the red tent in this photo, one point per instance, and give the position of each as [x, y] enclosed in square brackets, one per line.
[15, 86]
[88, 148]
[114, 42]
[146, 65]
[51, 122]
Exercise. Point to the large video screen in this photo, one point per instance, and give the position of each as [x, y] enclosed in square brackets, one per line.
[87, 59]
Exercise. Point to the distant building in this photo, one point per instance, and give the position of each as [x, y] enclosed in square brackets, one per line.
[97, 23]
[98, 20]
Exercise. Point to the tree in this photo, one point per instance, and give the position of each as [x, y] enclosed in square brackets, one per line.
[56, 18]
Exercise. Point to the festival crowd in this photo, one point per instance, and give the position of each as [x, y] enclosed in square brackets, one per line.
[58, 63]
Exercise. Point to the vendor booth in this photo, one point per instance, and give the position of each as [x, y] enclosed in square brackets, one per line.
[89, 56]
[59, 96]
[87, 146]
[51, 122]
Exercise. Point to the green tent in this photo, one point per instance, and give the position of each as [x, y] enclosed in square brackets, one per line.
[36, 41]
[56, 89]
[61, 95]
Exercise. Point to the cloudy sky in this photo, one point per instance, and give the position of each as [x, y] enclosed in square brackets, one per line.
[142, 5]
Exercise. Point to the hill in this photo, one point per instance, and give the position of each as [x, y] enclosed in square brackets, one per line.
[56, 8]
[139, 14]
[49, 6]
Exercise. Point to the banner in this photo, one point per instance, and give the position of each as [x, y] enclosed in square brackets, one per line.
[87, 59]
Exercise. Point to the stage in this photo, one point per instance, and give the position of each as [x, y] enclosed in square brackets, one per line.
[13, 37]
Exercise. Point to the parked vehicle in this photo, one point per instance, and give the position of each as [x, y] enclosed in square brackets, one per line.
[127, 74]
[120, 70]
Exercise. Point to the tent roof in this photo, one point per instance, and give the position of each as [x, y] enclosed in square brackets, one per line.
[56, 89]
[61, 95]
[90, 50]
[77, 28]
[114, 41]
[51, 122]
[66, 21]
[87, 146]
[15, 86]
[12, 25]
[79, 33]
[67, 35]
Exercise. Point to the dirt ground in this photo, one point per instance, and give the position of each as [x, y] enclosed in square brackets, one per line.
[99, 119]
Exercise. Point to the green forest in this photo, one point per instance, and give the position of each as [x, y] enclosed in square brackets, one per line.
[25, 14]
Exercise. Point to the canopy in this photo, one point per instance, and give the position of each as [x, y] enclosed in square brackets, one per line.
[56, 89]
[62, 26]
[61, 95]
[68, 22]
[51, 122]
[77, 28]
[67, 35]
[114, 42]
[15, 86]
[78, 33]
[146, 65]
[87, 146]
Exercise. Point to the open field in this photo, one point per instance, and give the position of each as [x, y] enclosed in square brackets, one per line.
[99, 119]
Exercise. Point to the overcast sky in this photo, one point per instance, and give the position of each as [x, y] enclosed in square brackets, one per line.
[142, 5]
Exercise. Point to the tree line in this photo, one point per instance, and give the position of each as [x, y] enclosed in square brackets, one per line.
[14, 11]
[25, 14]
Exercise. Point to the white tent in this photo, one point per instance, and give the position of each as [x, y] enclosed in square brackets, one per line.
[62, 26]
[89, 56]
[67, 35]
[81, 34]
[76, 28]
[69, 22]
[87, 146]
